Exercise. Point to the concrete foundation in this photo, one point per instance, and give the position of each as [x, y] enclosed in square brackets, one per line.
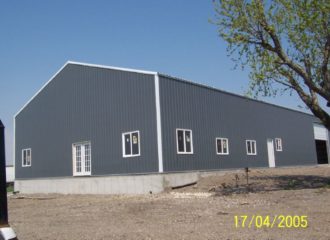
[132, 184]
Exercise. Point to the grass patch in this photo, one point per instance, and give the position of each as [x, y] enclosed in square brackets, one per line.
[327, 185]
[292, 184]
[10, 188]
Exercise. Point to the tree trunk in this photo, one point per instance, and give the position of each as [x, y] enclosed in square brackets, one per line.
[322, 115]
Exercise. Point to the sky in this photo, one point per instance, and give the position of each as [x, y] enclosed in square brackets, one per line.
[172, 37]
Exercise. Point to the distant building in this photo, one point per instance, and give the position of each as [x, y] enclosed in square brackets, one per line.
[92, 120]
[10, 173]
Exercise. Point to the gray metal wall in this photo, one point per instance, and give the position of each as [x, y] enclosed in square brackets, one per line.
[88, 104]
[95, 104]
[212, 113]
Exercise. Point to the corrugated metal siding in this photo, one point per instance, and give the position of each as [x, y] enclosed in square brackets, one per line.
[211, 113]
[88, 104]
[320, 132]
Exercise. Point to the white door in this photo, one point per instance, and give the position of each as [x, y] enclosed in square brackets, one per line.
[81, 159]
[271, 153]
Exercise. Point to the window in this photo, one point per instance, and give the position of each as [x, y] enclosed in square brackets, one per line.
[278, 144]
[222, 146]
[26, 157]
[131, 144]
[82, 162]
[184, 141]
[251, 147]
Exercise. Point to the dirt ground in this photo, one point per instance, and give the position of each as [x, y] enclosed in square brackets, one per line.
[206, 210]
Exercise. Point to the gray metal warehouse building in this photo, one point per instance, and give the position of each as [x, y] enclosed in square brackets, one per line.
[101, 129]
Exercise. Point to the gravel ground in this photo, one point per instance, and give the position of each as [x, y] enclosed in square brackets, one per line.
[204, 211]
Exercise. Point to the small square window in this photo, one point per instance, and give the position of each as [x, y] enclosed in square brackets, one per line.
[184, 141]
[222, 146]
[251, 147]
[131, 144]
[26, 157]
[278, 144]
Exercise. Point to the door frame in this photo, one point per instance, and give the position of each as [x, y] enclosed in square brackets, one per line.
[317, 125]
[83, 171]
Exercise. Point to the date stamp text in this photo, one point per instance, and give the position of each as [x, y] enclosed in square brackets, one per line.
[267, 221]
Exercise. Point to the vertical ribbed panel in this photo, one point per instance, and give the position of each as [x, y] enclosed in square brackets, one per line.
[94, 104]
[88, 104]
[210, 113]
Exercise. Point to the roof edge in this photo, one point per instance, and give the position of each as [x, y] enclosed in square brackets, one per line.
[82, 64]
[112, 67]
[30, 100]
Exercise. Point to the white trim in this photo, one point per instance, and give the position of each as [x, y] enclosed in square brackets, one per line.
[184, 141]
[73, 150]
[23, 150]
[83, 64]
[159, 126]
[14, 144]
[123, 144]
[83, 172]
[41, 88]
[112, 68]
[216, 145]
[255, 144]
[320, 132]
[278, 147]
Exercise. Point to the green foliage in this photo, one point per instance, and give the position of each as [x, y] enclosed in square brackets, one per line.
[292, 184]
[286, 44]
[10, 188]
[327, 185]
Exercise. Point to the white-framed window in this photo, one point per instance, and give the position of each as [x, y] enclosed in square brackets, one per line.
[184, 141]
[278, 144]
[131, 144]
[82, 158]
[222, 146]
[26, 157]
[251, 147]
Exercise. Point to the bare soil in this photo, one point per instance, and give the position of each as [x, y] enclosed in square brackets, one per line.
[206, 210]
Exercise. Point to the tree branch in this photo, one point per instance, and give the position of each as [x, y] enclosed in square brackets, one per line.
[294, 66]
[324, 67]
[310, 100]
[284, 83]
[263, 44]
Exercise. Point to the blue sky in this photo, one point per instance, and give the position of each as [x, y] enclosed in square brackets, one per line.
[172, 37]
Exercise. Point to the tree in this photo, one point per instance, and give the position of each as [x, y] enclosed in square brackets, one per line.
[285, 43]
